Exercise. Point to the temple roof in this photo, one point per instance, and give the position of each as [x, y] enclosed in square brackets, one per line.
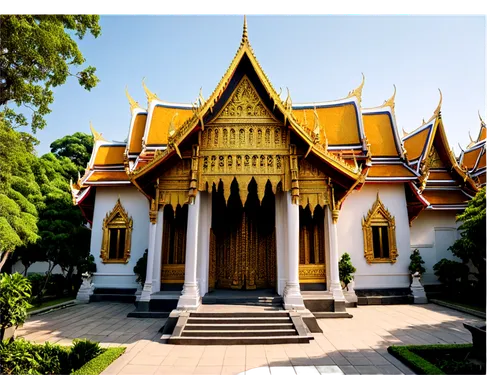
[473, 158]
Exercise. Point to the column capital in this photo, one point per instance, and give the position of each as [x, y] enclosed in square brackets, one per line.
[335, 215]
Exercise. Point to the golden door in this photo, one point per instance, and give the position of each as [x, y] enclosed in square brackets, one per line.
[242, 243]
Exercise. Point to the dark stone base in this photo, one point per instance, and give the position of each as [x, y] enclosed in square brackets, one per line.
[171, 287]
[170, 324]
[339, 307]
[388, 296]
[312, 324]
[316, 287]
[331, 315]
[319, 304]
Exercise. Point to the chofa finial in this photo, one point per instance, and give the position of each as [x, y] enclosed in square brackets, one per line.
[358, 91]
[97, 136]
[131, 101]
[481, 119]
[148, 92]
[390, 102]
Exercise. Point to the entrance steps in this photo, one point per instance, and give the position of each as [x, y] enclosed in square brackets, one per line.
[242, 328]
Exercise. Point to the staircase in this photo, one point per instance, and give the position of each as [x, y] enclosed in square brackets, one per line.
[244, 328]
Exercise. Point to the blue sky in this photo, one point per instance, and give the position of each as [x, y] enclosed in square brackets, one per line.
[318, 58]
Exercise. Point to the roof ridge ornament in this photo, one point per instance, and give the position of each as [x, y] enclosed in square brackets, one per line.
[358, 90]
[481, 119]
[244, 38]
[131, 101]
[172, 130]
[201, 99]
[390, 102]
[97, 136]
[317, 126]
[405, 133]
[148, 92]
[437, 111]
[288, 101]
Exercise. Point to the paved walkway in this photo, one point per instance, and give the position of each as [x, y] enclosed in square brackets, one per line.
[349, 346]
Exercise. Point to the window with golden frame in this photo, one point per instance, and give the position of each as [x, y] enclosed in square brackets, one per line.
[379, 233]
[116, 235]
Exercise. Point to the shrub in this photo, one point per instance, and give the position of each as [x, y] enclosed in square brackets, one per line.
[140, 268]
[345, 270]
[83, 351]
[453, 275]
[98, 364]
[23, 357]
[416, 262]
[56, 285]
[15, 294]
[37, 281]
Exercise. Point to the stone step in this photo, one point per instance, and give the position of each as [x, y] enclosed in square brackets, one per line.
[253, 314]
[245, 326]
[237, 320]
[239, 333]
[239, 340]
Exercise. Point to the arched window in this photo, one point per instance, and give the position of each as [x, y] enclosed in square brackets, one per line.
[116, 234]
[379, 232]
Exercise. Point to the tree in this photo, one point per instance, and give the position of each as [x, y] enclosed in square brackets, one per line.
[38, 53]
[471, 246]
[77, 147]
[416, 263]
[20, 195]
[345, 270]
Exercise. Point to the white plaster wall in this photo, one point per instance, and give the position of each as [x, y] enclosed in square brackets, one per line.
[202, 272]
[119, 275]
[433, 232]
[350, 236]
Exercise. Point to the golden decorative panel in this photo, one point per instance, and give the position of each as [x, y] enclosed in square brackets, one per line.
[244, 142]
[174, 184]
[312, 273]
[313, 186]
[434, 161]
[116, 235]
[379, 233]
[172, 274]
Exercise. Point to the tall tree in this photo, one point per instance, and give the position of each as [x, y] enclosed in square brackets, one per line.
[76, 147]
[471, 246]
[38, 53]
[20, 195]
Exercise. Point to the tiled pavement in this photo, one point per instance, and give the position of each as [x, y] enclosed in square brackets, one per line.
[349, 346]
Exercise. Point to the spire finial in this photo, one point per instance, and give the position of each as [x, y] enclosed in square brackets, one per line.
[358, 90]
[245, 29]
[390, 102]
[481, 119]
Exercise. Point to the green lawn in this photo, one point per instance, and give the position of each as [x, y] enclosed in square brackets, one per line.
[51, 303]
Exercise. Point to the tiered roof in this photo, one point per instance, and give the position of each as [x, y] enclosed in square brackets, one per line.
[360, 144]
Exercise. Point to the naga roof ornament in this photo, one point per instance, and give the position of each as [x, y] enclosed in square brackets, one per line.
[481, 119]
[148, 92]
[317, 126]
[171, 130]
[437, 111]
[390, 102]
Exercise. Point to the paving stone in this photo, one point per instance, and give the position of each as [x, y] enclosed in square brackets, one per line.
[329, 370]
[347, 370]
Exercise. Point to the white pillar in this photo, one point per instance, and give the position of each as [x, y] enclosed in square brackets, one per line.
[293, 298]
[148, 284]
[204, 241]
[281, 233]
[190, 298]
[157, 256]
[332, 250]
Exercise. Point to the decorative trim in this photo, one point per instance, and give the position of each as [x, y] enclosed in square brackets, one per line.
[379, 216]
[116, 219]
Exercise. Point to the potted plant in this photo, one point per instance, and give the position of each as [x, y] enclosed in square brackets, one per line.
[417, 269]
[140, 271]
[15, 294]
[346, 269]
[87, 269]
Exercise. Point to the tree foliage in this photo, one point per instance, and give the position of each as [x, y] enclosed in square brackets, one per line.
[20, 195]
[15, 293]
[38, 53]
[77, 147]
[416, 262]
[346, 269]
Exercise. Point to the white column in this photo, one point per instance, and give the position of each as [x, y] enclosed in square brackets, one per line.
[204, 242]
[190, 298]
[332, 249]
[281, 233]
[157, 255]
[293, 298]
[148, 284]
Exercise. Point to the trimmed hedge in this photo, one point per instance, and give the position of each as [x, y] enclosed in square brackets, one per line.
[410, 357]
[99, 363]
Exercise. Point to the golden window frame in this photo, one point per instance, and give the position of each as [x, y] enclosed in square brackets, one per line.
[116, 219]
[379, 216]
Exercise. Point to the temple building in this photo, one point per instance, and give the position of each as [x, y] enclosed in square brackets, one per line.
[244, 191]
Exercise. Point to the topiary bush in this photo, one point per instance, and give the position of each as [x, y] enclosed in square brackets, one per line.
[140, 268]
[345, 270]
[454, 277]
[416, 263]
[37, 282]
[83, 351]
[15, 294]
